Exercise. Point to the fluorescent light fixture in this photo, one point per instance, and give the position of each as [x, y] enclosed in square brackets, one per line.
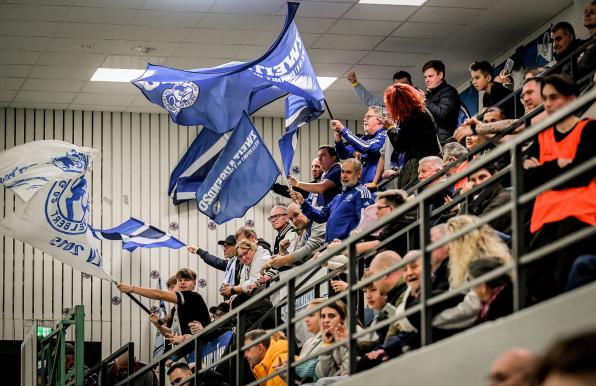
[394, 2]
[116, 74]
[326, 81]
[128, 74]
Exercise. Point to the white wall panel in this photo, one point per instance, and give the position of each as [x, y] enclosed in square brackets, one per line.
[129, 179]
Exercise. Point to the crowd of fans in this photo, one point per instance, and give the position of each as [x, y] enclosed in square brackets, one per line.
[410, 136]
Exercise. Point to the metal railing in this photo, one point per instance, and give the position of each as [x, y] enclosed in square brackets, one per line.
[354, 267]
[101, 369]
[52, 352]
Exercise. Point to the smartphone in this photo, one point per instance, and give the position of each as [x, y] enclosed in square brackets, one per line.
[508, 66]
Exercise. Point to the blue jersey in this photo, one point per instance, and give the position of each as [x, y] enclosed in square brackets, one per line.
[369, 147]
[343, 213]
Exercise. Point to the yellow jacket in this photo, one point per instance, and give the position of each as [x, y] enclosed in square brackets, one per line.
[275, 355]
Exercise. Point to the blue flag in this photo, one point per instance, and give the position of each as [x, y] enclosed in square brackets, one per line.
[298, 112]
[218, 97]
[195, 165]
[159, 345]
[243, 173]
[135, 233]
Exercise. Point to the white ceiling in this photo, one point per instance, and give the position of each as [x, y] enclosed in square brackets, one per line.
[50, 48]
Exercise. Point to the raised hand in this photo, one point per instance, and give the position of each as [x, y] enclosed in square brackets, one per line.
[296, 196]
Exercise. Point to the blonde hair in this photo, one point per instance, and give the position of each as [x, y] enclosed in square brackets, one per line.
[316, 301]
[479, 242]
[245, 244]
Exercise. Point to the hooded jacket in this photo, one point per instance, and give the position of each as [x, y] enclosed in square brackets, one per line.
[277, 353]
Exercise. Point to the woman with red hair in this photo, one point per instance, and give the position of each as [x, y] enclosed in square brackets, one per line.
[414, 135]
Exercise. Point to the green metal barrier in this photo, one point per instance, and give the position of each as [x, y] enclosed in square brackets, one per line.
[52, 352]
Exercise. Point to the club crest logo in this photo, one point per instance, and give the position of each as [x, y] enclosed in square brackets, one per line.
[72, 162]
[67, 206]
[180, 96]
[147, 85]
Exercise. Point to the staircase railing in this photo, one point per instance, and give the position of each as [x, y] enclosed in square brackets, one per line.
[52, 351]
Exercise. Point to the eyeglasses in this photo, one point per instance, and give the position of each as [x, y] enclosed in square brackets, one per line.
[295, 214]
[276, 217]
[368, 116]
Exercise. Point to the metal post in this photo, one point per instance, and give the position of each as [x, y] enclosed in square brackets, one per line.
[425, 313]
[131, 360]
[79, 324]
[291, 331]
[360, 294]
[352, 304]
[240, 364]
[61, 356]
[162, 372]
[198, 358]
[517, 229]
[42, 358]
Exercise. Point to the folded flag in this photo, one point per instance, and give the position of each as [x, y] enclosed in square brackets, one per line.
[195, 165]
[159, 344]
[243, 173]
[299, 111]
[26, 168]
[136, 234]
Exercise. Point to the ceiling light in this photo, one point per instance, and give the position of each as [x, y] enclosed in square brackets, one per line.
[326, 81]
[394, 2]
[116, 74]
[128, 74]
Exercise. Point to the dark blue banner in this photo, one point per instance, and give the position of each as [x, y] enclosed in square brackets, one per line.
[243, 173]
[299, 111]
[217, 97]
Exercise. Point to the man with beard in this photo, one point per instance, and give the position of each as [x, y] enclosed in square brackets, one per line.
[344, 212]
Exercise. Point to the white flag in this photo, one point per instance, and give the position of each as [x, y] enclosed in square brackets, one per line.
[56, 221]
[26, 168]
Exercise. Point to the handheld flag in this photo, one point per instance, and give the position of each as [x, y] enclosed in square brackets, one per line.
[298, 112]
[217, 97]
[55, 220]
[135, 234]
[159, 345]
[26, 168]
[243, 173]
[195, 165]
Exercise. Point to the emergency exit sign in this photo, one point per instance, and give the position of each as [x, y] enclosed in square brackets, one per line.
[43, 331]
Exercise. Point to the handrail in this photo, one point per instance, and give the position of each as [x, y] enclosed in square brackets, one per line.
[52, 351]
[355, 283]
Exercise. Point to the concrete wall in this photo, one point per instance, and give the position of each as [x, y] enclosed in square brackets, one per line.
[465, 359]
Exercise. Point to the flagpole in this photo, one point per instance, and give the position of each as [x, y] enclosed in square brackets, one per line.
[140, 304]
[284, 178]
[133, 298]
[328, 109]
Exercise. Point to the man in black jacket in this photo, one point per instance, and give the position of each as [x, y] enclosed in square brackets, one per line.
[483, 79]
[442, 99]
